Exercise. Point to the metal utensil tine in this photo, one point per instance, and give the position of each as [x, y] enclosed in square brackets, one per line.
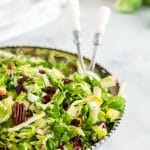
[97, 42]
[77, 41]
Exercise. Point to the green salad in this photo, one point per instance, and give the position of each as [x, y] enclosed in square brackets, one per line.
[43, 108]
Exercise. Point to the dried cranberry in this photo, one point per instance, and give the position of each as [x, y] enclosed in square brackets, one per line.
[77, 143]
[20, 88]
[46, 98]
[76, 146]
[23, 79]
[76, 122]
[42, 71]
[60, 147]
[67, 81]
[77, 139]
[50, 90]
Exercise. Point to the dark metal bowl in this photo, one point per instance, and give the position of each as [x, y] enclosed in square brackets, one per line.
[46, 54]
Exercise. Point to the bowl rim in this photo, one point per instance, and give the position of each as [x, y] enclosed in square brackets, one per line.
[98, 66]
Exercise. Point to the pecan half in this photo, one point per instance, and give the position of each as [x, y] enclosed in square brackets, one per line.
[10, 67]
[18, 113]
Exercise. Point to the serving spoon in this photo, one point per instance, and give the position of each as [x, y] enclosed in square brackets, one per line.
[101, 22]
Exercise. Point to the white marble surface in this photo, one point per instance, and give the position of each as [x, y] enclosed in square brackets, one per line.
[125, 52]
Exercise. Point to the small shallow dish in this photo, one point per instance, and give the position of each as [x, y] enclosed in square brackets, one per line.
[64, 55]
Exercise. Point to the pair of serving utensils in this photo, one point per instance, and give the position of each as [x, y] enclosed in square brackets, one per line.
[103, 15]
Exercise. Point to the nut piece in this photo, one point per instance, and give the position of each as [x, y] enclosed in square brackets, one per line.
[42, 71]
[18, 113]
[10, 67]
[67, 81]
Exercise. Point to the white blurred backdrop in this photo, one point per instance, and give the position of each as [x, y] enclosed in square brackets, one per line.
[21, 16]
[125, 52]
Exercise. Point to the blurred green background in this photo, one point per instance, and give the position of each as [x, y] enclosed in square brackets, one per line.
[130, 5]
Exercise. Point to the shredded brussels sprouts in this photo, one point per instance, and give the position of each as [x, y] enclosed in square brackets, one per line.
[44, 108]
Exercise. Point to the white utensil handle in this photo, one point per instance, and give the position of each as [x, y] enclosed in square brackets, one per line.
[102, 19]
[74, 14]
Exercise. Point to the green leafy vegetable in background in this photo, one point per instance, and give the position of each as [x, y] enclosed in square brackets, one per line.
[146, 2]
[128, 5]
